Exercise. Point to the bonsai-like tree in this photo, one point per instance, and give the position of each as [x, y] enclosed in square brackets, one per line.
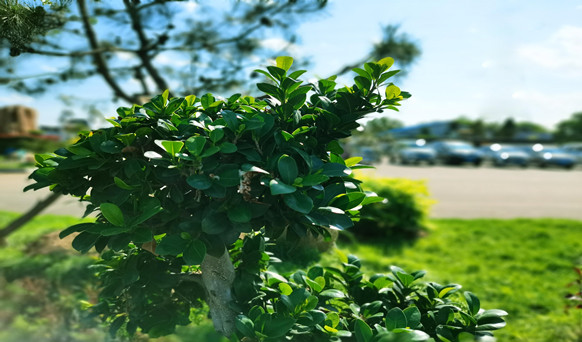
[188, 191]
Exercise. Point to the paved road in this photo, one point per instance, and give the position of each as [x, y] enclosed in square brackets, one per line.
[462, 192]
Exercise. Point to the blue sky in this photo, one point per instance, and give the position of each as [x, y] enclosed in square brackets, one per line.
[482, 59]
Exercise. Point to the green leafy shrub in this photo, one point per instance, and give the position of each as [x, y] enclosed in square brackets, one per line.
[187, 191]
[332, 304]
[404, 213]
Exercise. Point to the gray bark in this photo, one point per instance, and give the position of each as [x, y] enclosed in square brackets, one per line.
[218, 278]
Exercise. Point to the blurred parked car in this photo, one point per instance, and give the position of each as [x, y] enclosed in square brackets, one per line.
[552, 156]
[575, 149]
[412, 152]
[457, 152]
[504, 155]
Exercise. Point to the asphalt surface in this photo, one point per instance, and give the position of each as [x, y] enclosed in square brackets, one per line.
[460, 192]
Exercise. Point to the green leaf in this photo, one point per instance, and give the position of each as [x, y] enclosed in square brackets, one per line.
[239, 214]
[269, 89]
[348, 200]
[363, 331]
[284, 62]
[123, 185]
[395, 318]
[228, 147]
[76, 228]
[387, 62]
[412, 317]
[200, 182]
[216, 134]
[279, 188]
[252, 168]
[215, 223]
[473, 302]
[314, 179]
[287, 169]
[194, 253]
[332, 293]
[285, 289]
[245, 326]
[84, 241]
[315, 286]
[229, 176]
[231, 119]
[171, 146]
[171, 245]
[112, 213]
[299, 201]
[353, 161]
[392, 91]
[212, 150]
[336, 170]
[278, 326]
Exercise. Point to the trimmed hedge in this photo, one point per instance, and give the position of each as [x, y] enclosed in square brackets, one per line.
[404, 213]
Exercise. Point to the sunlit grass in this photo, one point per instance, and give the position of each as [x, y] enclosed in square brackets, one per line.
[521, 266]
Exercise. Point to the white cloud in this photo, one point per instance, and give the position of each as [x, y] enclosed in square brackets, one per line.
[175, 60]
[546, 108]
[488, 64]
[561, 52]
[16, 99]
[280, 44]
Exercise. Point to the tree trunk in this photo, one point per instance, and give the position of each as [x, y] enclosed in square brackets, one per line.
[218, 278]
[29, 215]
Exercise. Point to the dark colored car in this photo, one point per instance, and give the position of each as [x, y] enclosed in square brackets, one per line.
[504, 155]
[554, 157]
[412, 152]
[457, 152]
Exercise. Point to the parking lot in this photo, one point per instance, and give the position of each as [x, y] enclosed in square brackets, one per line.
[486, 191]
[461, 191]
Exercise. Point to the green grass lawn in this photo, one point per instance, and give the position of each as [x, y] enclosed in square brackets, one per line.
[520, 266]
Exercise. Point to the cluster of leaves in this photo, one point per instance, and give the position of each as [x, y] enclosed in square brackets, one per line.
[331, 304]
[192, 173]
[403, 216]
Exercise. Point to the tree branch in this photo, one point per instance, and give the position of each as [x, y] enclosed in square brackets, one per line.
[145, 46]
[98, 59]
[29, 215]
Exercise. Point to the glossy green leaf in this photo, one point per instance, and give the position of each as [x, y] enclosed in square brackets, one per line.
[245, 326]
[332, 293]
[395, 318]
[228, 147]
[299, 201]
[239, 214]
[473, 302]
[287, 169]
[112, 213]
[215, 223]
[284, 62]
[216, 134]
[386, 62]
[392, 91]
[84, 241]
[171, 245]
[285, 288]
[199, 181]
[194, 253]
[123, 185]
[279, 188]
[171, 146]
[363, 331]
